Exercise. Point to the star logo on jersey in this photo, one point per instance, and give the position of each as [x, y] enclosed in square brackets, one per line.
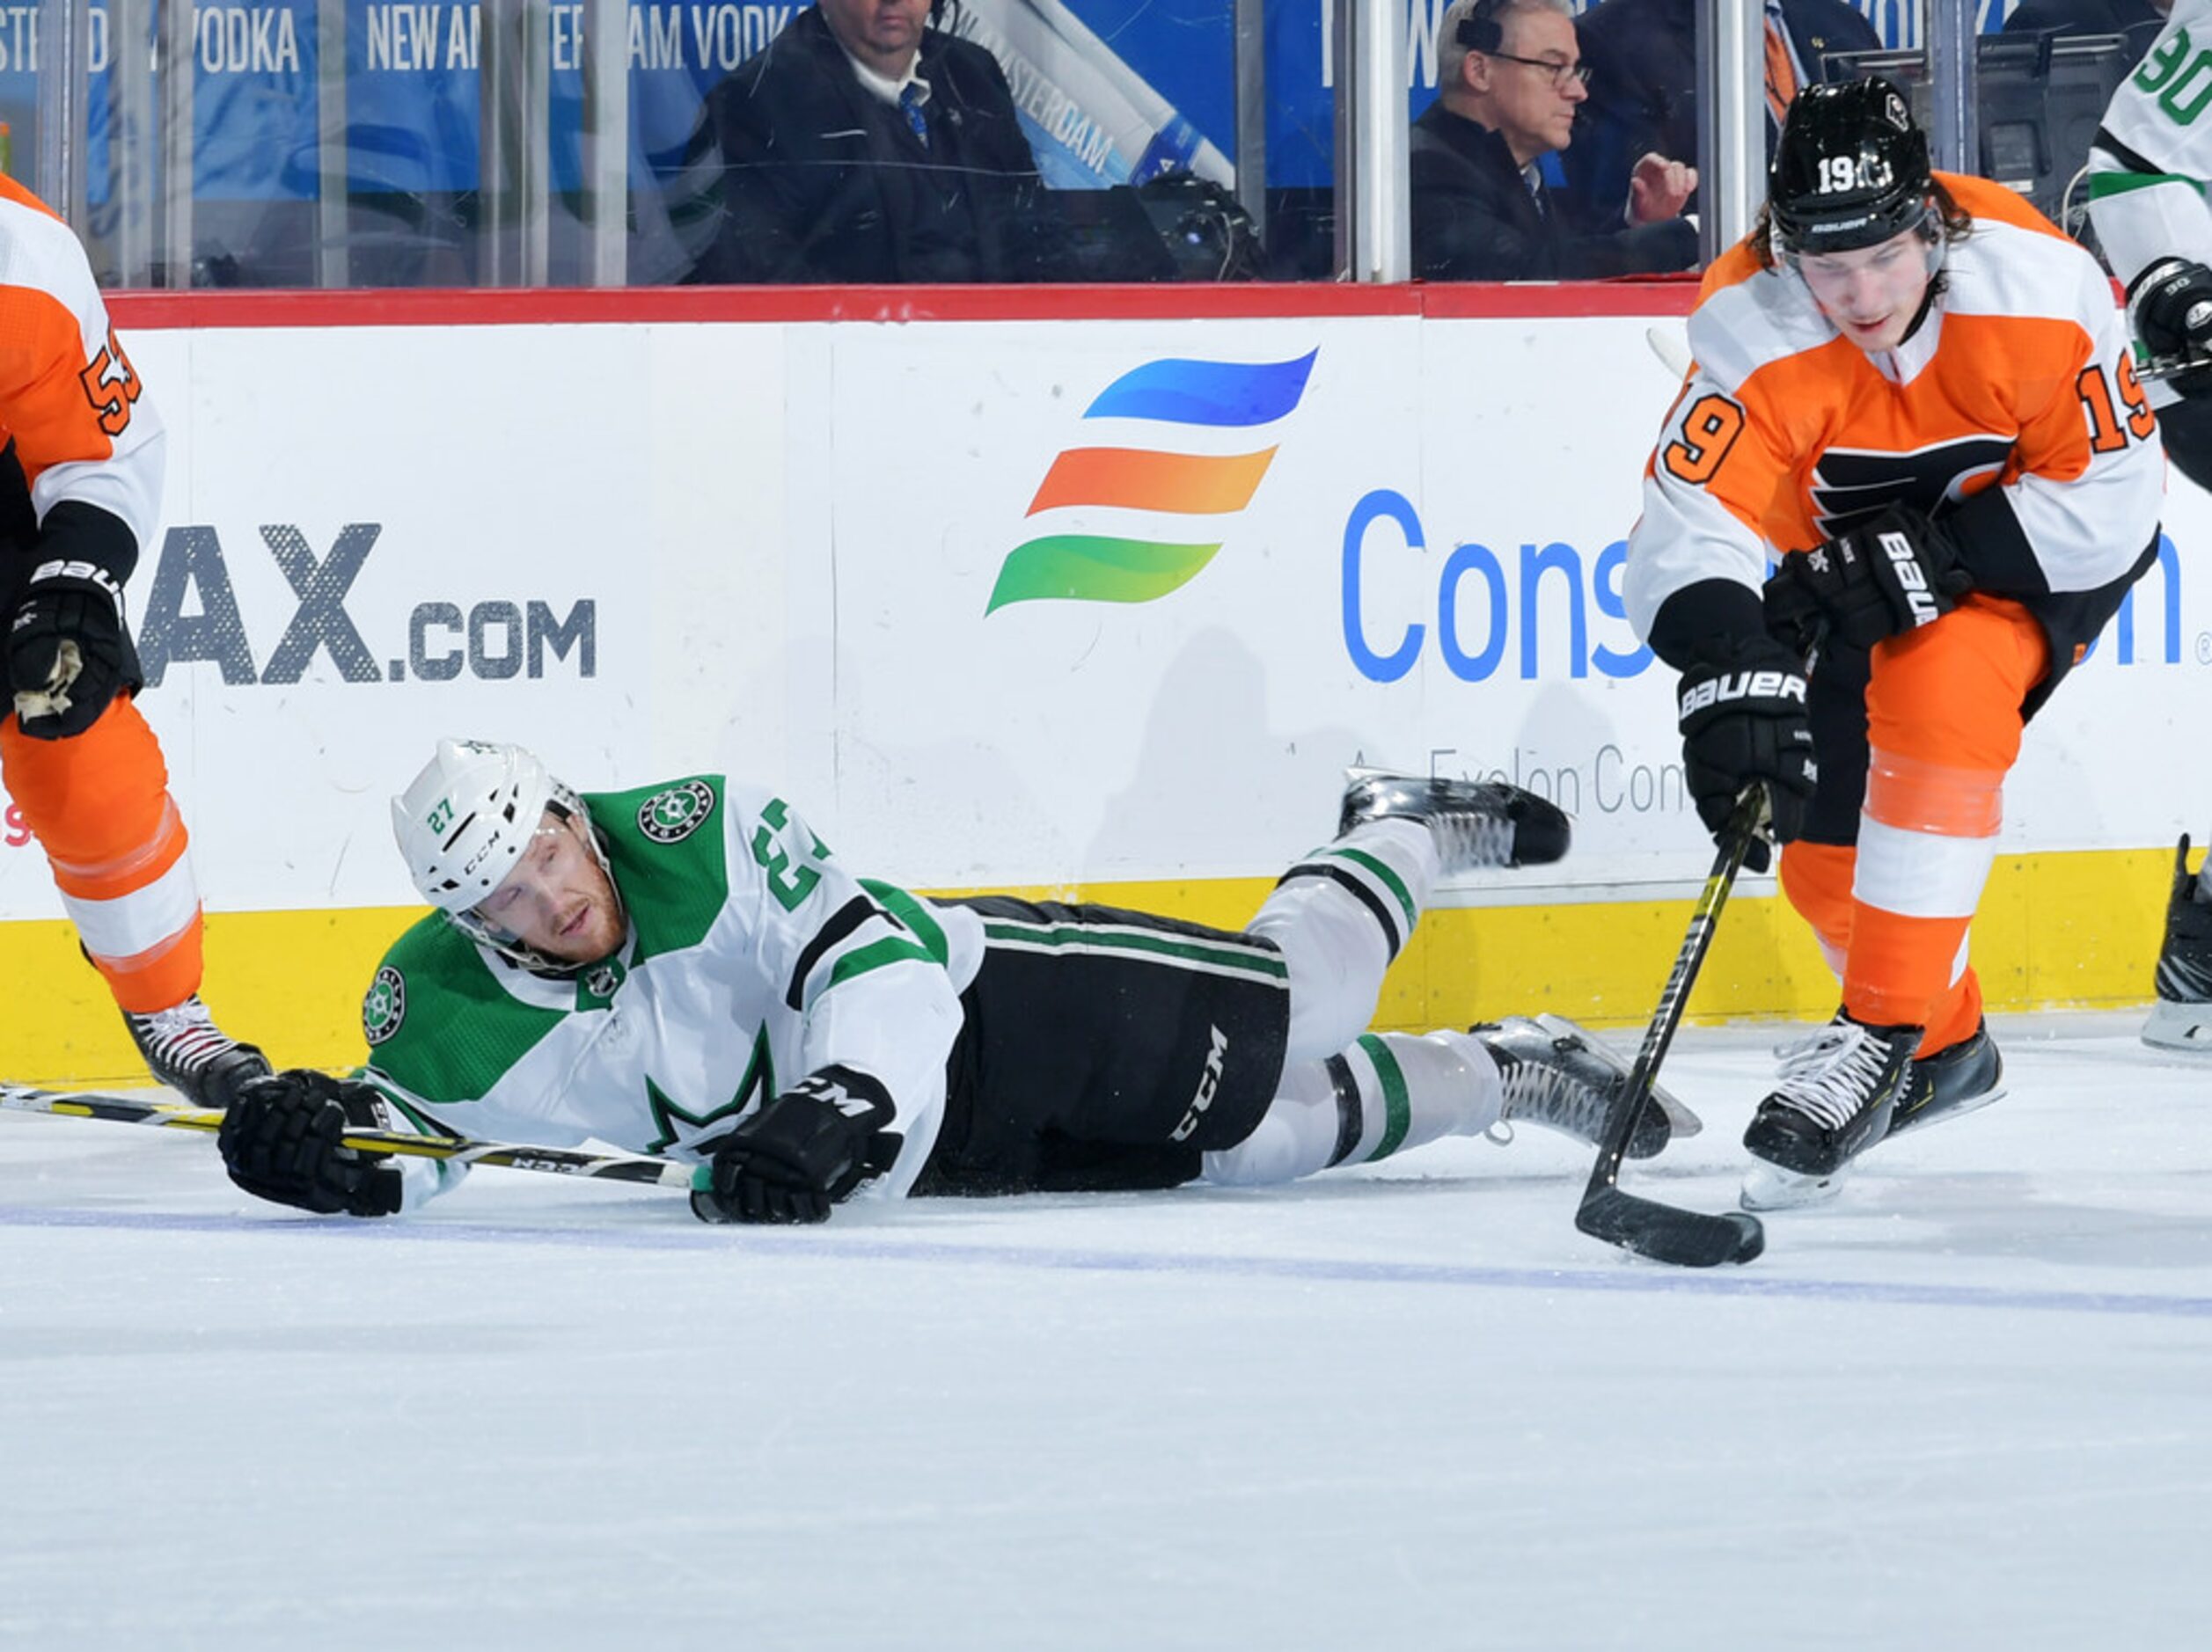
[676, 1128]
[670, 816]
[384, 1005]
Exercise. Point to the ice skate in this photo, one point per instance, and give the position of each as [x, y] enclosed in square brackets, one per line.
[1952, 1082]
[1835, 1094]
[1557, 1074]
[185, 1049]
[1477, 823]
[2182, 1017]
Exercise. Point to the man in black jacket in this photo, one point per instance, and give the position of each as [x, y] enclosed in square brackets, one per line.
[865, 144]
[1509, 76]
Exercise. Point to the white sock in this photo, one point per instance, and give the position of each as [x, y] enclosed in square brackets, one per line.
[1339, 917]
[1386, 1093]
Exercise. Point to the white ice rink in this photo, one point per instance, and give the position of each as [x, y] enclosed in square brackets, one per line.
[1968, 1406]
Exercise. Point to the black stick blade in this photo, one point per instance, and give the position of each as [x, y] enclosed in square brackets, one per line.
[1688, 1239]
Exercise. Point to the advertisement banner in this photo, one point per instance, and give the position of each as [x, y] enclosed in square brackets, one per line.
[509, 533]
[1011, 603]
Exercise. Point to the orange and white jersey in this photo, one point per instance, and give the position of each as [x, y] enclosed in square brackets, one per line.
[69, 398]
[2012, 412]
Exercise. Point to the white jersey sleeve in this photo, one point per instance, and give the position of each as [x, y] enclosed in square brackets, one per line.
[2151, 162]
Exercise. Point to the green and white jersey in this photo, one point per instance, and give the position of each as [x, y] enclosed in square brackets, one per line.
[2152, 161]
[753, 957]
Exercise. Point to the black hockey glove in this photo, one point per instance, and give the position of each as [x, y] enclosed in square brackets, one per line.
[282, 1141]
[2172, 301]
[801, 1152]
[1746, 721]
[67, 652]
[1896, 572]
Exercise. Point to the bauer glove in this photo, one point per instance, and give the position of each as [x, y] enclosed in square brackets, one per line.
[67, 652]
[1894, 573]
[1746, 721]
[283, 1140]
[801, 1153]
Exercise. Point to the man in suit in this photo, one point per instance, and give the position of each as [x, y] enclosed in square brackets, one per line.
[1643, 57]
[865, 144]
[1509, 77]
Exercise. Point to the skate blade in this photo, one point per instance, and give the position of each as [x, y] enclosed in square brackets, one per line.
[1771, 1188]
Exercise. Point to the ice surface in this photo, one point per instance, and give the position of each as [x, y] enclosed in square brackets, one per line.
[1968, 1405]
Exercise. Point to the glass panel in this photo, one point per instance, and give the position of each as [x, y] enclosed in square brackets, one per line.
[630, 140]
[1301, 139]
[1057, 140]
[2042, 75]
[1520, 172]
[18, 92]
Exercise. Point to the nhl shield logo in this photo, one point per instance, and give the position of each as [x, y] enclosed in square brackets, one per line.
[670, 816]
[385, 1007]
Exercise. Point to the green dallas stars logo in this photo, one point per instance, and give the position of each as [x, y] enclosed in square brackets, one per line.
[670, 816]
[384, 1006]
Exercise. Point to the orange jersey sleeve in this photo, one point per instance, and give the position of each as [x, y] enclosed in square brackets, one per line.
[69, 398]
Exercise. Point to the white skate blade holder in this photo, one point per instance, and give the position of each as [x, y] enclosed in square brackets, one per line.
[2187, 1028]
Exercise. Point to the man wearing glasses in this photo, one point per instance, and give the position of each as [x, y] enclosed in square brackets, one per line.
[1509, 77]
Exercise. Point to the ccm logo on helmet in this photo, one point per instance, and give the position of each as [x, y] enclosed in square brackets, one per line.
[1744, 685]
[1911, 577]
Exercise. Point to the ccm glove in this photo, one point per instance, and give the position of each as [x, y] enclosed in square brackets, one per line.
[283, 1140]
[801, 1153]
[1745, 722]
[1897, 572]
[2173, 303]
[67, 652]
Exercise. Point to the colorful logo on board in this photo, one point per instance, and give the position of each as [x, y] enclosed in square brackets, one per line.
[1186, 493]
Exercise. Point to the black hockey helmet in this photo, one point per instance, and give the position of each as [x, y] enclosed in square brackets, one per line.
[1851, 169]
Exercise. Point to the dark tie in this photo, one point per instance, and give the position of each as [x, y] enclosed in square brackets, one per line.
[910, 105]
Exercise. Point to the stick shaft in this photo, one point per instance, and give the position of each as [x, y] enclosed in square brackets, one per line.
[1628, 1105]
[558, 1161]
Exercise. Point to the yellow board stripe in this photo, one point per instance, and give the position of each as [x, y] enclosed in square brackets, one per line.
[2054, 930]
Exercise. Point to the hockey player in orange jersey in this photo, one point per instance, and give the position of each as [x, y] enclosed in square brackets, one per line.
[1917, 394]
[81, 451]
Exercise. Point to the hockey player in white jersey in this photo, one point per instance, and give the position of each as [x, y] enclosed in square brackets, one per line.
[687, 969]
[2151, 170]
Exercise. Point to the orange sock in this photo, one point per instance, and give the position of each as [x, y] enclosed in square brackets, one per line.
[99, 806]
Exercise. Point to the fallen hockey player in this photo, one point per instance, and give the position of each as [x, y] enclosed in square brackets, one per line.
[686, 970]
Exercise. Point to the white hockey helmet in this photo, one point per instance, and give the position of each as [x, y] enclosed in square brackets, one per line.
[468, 819]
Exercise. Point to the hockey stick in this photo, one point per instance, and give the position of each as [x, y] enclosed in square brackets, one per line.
[1689, 1238]
[2164, 367]
[457, 1150]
